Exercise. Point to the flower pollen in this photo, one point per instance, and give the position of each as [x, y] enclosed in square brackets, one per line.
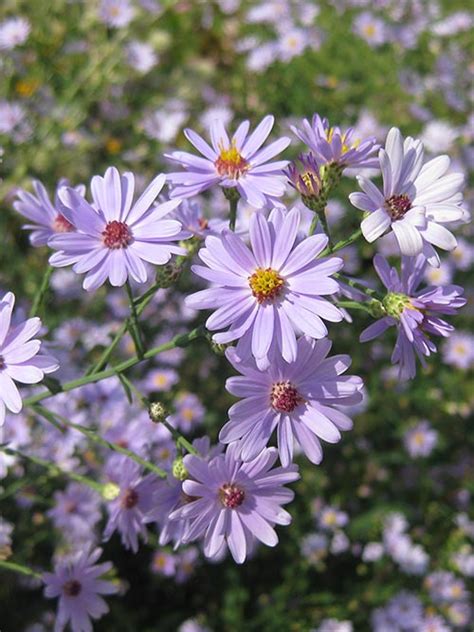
[230, 163]
[394, 304]
[266, 284]
[398, 206]
[116, 235]
[62, 225]
[72, 588]
[284, 397]
[231, 496]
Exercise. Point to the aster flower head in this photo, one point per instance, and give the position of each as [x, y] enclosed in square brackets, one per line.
[233, 503]
[420, 440]
[238, 163]
[14, 32]
[415, 313]
[268, 293]
[417, 199]
[114, 237]
[47, 216]
[296, 399]
[76, 511]
[307, 178]
[129, 511]
[332, 146]
[77, 583]
[20, 358]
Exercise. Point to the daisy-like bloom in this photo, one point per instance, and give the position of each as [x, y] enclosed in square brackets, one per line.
[267, 294]
[238, 163]
[19, 359]
[14, 32]
[129, 511]
[420, 440]
[47, 217]
[232, 503]
[297, 399]
[416, 199]
[415, 313]
[335, 147]
[113, 237]
[76, 582]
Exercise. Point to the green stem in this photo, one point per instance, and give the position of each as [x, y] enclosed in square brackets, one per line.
[19, 568]
[343, 243]
[314, 223]
[358, 286]
[233, 212]
[180, 440]
[354, 305]
[99, 440]
[178, 341]
[134, 327]
[40, 294]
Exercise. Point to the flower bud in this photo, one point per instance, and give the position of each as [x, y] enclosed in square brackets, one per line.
[377, 309]
[110, 491]
[168, 274]
[179, 470]
[157, 412]
[394, 304]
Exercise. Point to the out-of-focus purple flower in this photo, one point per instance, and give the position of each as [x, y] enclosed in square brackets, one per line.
[314, 547]
[268, 294]
[130, 510]
[236, 163]
[334, 147]
[296, 399]
[47, 217]
[420, 440]
[334, 625]
[116, 13]
[141, 56]
[189, 412]
[114, 238]
[192, 218]
[458, 351]
[19, 359]
[445, 587]
[463, 254]
[416, 200]
[372, 29]
[331, 518]
[415, 313]
[235, 502]
[14, 32]
[434, 623]
[186, 564]
[76, 582]
[161, 380]
[76, 511]
[164, 563]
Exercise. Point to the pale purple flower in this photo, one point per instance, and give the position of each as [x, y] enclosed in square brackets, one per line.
[47, 217]
[415, 313]
[434, 623]
[116, 13]
[129, 512]
[267, 294]
[420, 440]
[76, 511]
[417, 199]
[20, 360]
[161, 380]
[189, 412]
[164, 563]
[76, 582]
[113, 237]
[235, 502]
[458, 351]
[14, 32]
[238, 163]
[296, 399]
[371, 28]
[333, 146]
[331, 518]
[314, 547]
[406, 610]
[141, 56]
[334, 625]
[191, 216]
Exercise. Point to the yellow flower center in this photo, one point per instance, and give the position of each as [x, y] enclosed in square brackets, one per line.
[266, 284]
[159, 380]
[369, 30]
[230, 163]
[345, 146]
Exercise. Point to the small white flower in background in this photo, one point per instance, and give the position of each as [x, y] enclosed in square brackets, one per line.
[14, 32]
[420, 440]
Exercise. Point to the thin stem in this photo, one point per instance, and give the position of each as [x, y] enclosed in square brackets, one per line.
[358, 286]
[19, 568]
[178, 341]
[314, 223]
[233, 212]
[95, 437]
[353, 305]
[180, 440]
[343, 243]
[134, 327]
[40, 294]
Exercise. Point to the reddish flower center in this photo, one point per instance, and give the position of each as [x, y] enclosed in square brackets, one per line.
[116, 235]
[397, 206]
[130, 499]
[70, 507]
[61, 224]
[72, 588]
[284, 397]
[266, 284]
[231, 495]
[203, 223]
[3, 364]
[230, 163]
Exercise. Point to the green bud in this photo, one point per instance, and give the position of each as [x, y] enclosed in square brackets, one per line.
[157, 412]
[377, 310]
[179, 470]
[110, 491]
[218, 348]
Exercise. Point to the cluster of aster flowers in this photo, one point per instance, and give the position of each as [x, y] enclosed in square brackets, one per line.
[274, 291]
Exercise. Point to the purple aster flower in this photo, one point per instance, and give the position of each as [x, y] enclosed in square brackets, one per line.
[416, 199]
[19, 359]
[414, 312]
[332, 146]
[191, 216]
[297, 399]
[116, 13]
[14, 32]
[458, 351]
[114, 238]
[267, 294]
[129, 512]
[235, 502]
[236, 163]
[420, 440]
[47, 217]
[164, 563]
[76, 581]
[189, 412]
[76, 511]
